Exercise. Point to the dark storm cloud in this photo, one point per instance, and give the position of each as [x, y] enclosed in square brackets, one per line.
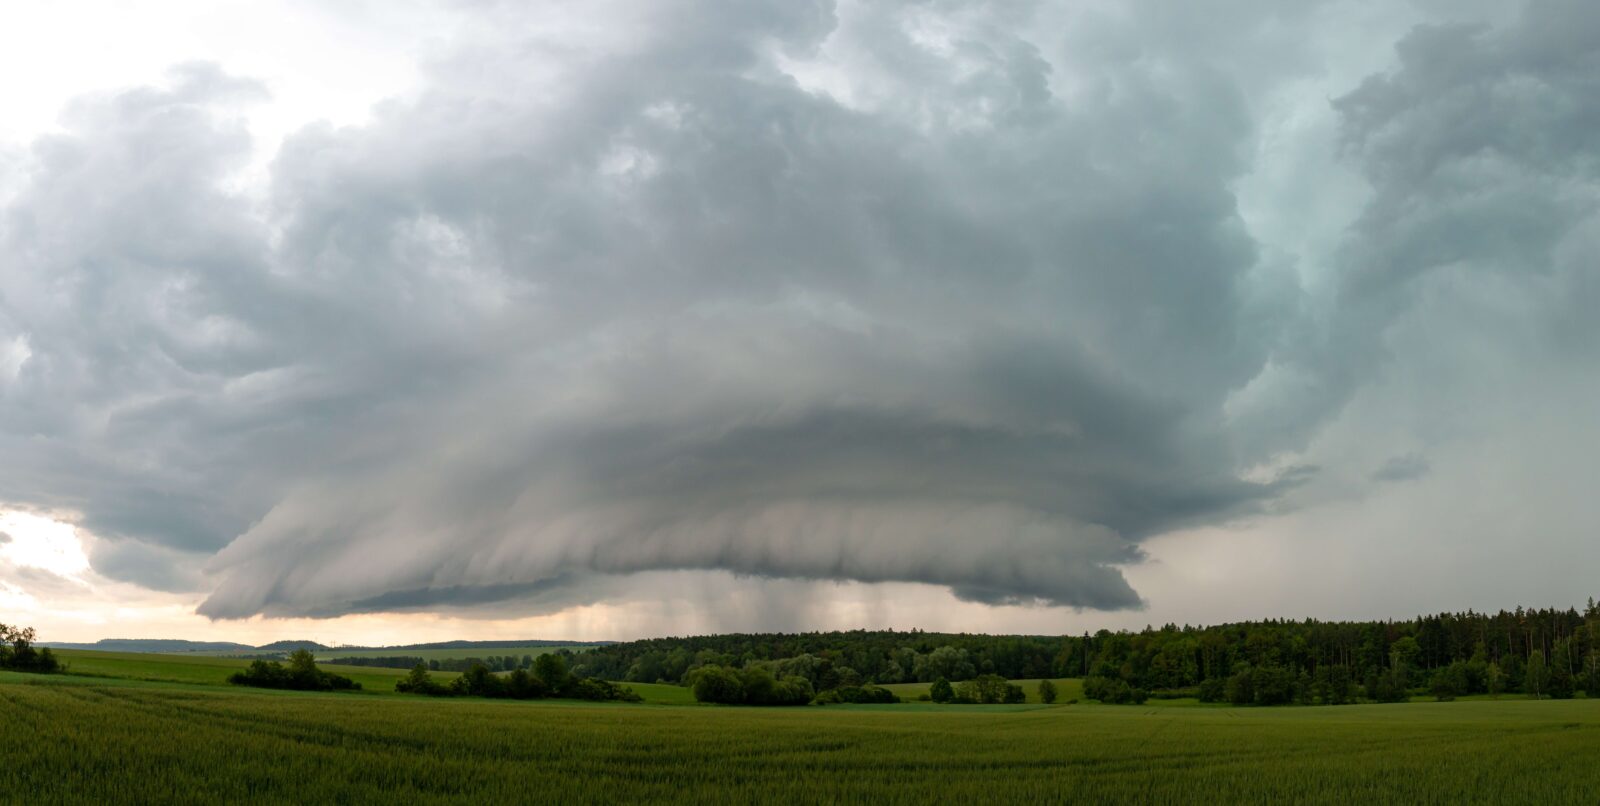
[779, 336]
[577, 312]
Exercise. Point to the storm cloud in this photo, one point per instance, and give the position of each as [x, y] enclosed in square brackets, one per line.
[922, 292]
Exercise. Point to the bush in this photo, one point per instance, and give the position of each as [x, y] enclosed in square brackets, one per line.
[866, 694]
[420, 682]
[18, 654]
[1240, 688]
[521, 685]
[1114, 691]
[941, 691]
[1450, 682]
[754, 685]
[551, 669]
[717, 684]
[1110, 690]
[588, 688]
[1386, 686]
[478, 681]
[1272, 685]
[1047, 692]
[301, 674]
[990, 689]
[791, 690]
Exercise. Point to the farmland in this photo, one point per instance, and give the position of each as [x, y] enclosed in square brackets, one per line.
[204, 670]
[223, 744]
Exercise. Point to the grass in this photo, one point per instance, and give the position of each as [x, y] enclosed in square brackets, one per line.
[79, 740]
[206, 670]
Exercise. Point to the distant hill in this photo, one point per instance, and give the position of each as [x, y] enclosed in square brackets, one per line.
[176, 645]
[162, 645]
[290, 646]
[497, 644]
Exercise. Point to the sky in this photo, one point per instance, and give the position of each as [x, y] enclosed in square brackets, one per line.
[407, 321]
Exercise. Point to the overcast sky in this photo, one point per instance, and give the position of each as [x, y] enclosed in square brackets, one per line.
[601, 320]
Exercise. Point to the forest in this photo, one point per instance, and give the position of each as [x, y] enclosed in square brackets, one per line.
[1539, 652]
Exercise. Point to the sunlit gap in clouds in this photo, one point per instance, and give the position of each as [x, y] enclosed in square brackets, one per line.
[36, 541]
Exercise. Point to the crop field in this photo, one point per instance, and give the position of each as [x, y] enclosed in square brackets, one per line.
[205, 670]
[92, 666]
[79, 740]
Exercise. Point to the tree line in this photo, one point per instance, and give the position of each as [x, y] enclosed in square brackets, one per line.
[831, 659]
[1539, 652]
[547, 677]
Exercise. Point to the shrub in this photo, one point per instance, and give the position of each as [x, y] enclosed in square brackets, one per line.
[1047, 692]
[420, 682]
[478, 681]
[1449, 682]
[17, 652]
[866, 694]
[992, 688]
[717, 684]
[521, 685]
[1272, 685]
[588, 688]
[941, 691]
[551, 669]
[1386, 686]
[752, 685]
[1110, 690]
[301, 674]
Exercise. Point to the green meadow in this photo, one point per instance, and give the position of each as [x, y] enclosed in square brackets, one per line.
[82, 739]
[205, 670]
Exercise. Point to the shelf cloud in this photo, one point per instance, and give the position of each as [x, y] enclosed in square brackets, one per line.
[951, 294]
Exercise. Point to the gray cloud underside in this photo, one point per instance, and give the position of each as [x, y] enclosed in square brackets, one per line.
[568, 314]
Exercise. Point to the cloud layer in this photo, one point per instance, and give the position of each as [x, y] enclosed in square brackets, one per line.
[926, 293]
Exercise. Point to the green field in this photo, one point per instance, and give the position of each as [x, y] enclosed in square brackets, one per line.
[205, 670]
[214, 671]
[77, 739]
